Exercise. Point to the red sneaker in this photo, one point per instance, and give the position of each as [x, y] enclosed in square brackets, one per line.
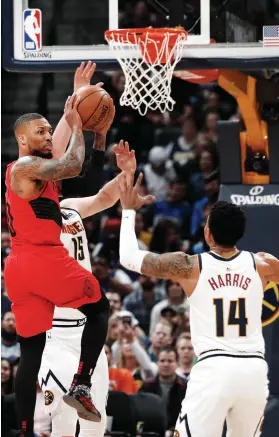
[79, 397]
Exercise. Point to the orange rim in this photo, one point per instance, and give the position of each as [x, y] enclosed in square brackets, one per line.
[148, 38]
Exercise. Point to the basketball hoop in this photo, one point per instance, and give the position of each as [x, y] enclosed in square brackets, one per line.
[148, 76]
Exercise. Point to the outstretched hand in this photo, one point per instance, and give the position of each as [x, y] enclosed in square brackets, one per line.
[84, 74]
[129, 194]
[70, 111]
[125, 159]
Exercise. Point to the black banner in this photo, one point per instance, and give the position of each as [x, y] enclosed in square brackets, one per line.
[261, 206]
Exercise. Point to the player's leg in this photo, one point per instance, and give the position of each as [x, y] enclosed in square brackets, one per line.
[33, 316]
[64, 422]
[74, 287]
[204, 408]
[246, 415]
[26, 377]
[67, 284]
[245, 419]
[93, 429]
[97, 323]
[99, 390]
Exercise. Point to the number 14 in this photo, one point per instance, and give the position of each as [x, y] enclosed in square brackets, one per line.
[241, 320]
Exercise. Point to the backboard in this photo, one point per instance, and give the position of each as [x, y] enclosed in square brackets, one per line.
[73, 30]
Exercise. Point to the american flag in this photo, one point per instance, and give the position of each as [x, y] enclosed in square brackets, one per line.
[270, 36]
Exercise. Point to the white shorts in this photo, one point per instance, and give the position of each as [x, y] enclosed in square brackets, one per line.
[59, 364]
[224, 388]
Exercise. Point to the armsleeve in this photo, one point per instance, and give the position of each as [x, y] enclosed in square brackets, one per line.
[94, 173]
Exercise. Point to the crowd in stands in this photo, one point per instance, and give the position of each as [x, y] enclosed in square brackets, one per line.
[148, 345]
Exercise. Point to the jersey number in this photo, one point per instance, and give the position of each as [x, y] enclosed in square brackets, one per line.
[237, 316]
[78, 248]
[10, 220]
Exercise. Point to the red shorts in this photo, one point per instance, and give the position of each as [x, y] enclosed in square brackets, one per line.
[38, 279]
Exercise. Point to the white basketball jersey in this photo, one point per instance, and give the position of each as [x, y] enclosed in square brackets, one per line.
[73, 236]
[226, 305]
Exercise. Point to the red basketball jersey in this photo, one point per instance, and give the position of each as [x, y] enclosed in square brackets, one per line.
[36, 221]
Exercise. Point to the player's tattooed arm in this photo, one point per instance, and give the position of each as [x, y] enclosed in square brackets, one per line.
[176, 265]
[68, 166]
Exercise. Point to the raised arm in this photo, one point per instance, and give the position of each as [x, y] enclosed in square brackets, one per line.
[109, 194]
[88, 206]
[68, 166]
[177, 265]
[94, 168]
[62, 134]
[268, 267]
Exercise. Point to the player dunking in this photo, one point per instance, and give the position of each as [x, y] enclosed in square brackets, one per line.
[225, 290]
[63, 340]
[39, 273]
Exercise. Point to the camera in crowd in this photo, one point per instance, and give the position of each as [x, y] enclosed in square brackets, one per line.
[257, 162]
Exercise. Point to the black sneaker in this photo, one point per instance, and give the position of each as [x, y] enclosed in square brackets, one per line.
[79, 397]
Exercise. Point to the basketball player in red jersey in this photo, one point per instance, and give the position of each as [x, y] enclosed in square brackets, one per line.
[39, 272]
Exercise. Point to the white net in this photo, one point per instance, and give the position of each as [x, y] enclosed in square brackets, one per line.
[147, 77]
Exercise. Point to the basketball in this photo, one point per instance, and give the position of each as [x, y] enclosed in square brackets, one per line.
[94, 107]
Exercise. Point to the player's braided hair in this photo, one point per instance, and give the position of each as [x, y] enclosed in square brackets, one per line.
[227, 223]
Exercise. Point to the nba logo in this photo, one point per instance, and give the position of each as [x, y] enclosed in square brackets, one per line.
[32, 30]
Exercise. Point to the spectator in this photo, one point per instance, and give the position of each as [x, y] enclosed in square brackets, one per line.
[114, 301]
[182, 323]
[166, 237]
[115, 325]
[174, 208]
[182, 149]
[109, 246]
[211, 120]
[169, 315]
[209, 161]
[157, 173]
[5, 241]
[200, 244]
[176, 298]
[199, 209]
[142, 236]
[7, 385]
[10, 348]
[140, 302]
[111, 280]
[111, 170]
[5, 301]
[161, 337]
[9, 420]
[4, 222]
[119, 379]
[168, 385]
[186, 355]
[128, 352]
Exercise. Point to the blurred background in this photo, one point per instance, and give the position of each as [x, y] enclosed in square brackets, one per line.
[149, 345]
